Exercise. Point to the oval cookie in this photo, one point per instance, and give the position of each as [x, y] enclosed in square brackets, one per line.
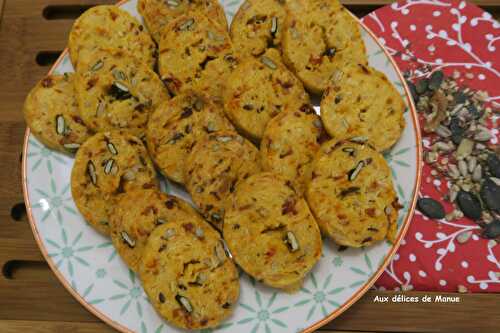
[258, 26]
[214, 166]
[51, 112]
[196, 54]
[137, 213]
[258, 90]
[176, 126]
[362, 103]
[158, 13]
[110, 27]
[352, 195]
[271, 232]
[106, 165]
[187, 275]
[116, 91]
[290, 142]
[320, 36]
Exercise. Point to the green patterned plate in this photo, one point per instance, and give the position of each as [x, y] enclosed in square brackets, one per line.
[88, 266]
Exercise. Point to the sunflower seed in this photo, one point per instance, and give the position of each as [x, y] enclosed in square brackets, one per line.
[160, 221]
[97, 66]
[443, 131]
[224, 138]
[220, 253]
[109, 166]
[336, 76]
[463, 237]
[71, 146]
[60, 125]
[268, 62]
[291, 241]
[465, 148]
[184, 303]
[431, 208]
[91, 172]
[354, 172]
[226, 249]
[482, 135]
[431, 156]
[274, 25]
[477, 174]
[359, 139]
[127, 239]
[471, 164]
[186, 25]
[169, 233]
[462, 167]
[215, 37]
[119, 75]
[112, 148]
[462, 289]
[100, 109]
[172, 3]
[199, 232]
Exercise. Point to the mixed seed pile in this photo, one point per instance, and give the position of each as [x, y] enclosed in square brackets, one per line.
[460, 151]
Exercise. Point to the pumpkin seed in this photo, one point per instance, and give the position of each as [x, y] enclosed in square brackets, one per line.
[492, 230]
[60, 125]
[291, 241]
[421, 86]
[431, 208]
[494, 165]
[268, 62]
[127, 239]
[490, 194]
[184, 303]
[469, 205]
[435, 80]
[91, 172]
[112, 148]
[109, 166]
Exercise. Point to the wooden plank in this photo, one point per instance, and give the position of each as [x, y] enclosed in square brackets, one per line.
[15, 326]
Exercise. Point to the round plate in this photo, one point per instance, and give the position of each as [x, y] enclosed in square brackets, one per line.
[88, 266]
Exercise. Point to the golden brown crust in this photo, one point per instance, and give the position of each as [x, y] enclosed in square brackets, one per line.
[158, 14]
[258, 90]
[136, 214]
[271, 232]
[176, 126]
[116, 91]
[106, 165]
[196, 54]
[258, 26]
[110, 27]
[351, 194]
[187, 275]
[362, 103]
[214, 167]
[320, 36]
[51, 112]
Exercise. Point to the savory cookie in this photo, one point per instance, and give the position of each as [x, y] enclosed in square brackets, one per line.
[196, 54]
[290, 142]
[176, 126]
[215, 165]
[106, 165]
[187, 275]
[320, 36]
[136, 214]
[351, 194]
[117, 91]
[51, 112]
[158, 13]
[110, 27]
[259, 89]
[271, 232]
[361, 103]
[257, 26]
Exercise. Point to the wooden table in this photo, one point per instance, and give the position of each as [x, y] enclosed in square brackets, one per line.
[32, 34]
